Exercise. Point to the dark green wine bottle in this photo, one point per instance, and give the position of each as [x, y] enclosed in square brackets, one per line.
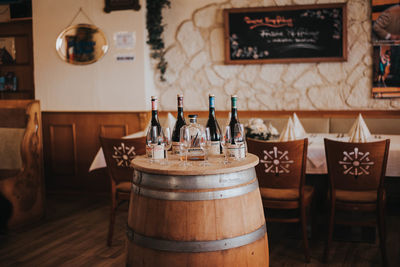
[215, 131]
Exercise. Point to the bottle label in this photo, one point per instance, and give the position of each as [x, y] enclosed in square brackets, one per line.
[215, 148]
[195, 154]
[237, 151]
[175, 148]
[157, 151]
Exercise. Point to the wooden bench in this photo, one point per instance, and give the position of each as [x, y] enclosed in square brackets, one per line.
[21, 165]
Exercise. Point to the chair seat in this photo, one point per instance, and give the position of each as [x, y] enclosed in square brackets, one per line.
[285, 194]
[356, 196]
[124, 187]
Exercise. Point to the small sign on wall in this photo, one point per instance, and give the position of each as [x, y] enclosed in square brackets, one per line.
[125, 40]
[125, 57]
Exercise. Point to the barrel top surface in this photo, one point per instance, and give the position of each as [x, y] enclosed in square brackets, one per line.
[143, 164]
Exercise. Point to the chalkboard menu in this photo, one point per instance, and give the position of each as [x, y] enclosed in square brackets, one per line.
[307, 33]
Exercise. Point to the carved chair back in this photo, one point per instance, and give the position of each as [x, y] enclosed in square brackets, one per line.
[282, 164]
[356, 166]
[119, 153]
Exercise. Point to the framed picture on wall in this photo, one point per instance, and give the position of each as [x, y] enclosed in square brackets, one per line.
[286, 34]
[113, 5]
[385, 38]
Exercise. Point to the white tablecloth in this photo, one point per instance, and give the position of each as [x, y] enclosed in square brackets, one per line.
[316, 163]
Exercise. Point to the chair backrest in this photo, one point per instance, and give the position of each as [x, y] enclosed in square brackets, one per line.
[118, 153]
[282, 164]
[356, 166]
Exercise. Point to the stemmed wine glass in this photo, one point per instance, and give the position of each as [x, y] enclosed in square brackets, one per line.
[167, 141]
[184, 143]
[153, 139]
[226, 140]
[239, 138]
[205, 144]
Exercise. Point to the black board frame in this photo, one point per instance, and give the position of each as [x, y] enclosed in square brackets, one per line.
[295, 59]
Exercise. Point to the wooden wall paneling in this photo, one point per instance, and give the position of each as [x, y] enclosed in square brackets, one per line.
[63, 149]
[144, 118]
[88, 127]
[300, 113]
[114, 130]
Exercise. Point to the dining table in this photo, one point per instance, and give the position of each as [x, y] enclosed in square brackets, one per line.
[316, 159]
[316, 162]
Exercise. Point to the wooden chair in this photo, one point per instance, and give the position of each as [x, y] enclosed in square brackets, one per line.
[118, 154]
[281, 175]
[356, 173]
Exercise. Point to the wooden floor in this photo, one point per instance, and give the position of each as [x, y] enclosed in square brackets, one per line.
[74, 234]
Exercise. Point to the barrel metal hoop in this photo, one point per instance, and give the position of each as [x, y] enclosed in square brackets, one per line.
[195, 196]
[195, 246]
[194, 181]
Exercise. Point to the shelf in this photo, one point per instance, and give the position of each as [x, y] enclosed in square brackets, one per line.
[17, 91]
[13, 20]
[15, 64]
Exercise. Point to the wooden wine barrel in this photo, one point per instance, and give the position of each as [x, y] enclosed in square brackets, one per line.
[196, 216]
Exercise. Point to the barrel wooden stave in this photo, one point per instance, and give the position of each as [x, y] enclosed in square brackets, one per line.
[197, 220]
[251, 255]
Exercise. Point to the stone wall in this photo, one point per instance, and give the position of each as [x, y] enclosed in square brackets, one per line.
[194, 38]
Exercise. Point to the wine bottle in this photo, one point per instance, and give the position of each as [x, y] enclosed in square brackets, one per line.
[215, 131]
[154, 113]
[236, 150]
[234, 116]
[180, 121]
[195, 152]
[154, 135]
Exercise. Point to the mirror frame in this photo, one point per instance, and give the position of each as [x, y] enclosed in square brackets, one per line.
[60, 44]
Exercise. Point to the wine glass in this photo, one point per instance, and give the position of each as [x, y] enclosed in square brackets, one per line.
[184, 143]
[153, 139]
[167, 142]
[226, 140]
[205, 144]
[239, 139]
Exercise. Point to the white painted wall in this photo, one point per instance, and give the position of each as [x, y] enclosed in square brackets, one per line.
[194, 46]
[106, 85]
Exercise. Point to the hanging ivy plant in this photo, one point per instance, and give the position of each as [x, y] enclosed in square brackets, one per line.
[154, 33]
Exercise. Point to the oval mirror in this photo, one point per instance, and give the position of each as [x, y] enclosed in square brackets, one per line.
[81, 44]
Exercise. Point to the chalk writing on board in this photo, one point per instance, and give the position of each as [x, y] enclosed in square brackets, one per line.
[267, 34]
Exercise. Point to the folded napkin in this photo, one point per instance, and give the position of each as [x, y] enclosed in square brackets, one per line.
[288, 133]
[169, 122]
[299, 129]
[359, 132]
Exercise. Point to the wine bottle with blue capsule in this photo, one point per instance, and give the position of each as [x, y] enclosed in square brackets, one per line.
[215, 131]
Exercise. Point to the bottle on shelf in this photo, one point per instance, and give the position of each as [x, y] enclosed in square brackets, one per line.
[180, 121]
[195, 130]
[238, 147]
[154, 136]
[215, 130]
